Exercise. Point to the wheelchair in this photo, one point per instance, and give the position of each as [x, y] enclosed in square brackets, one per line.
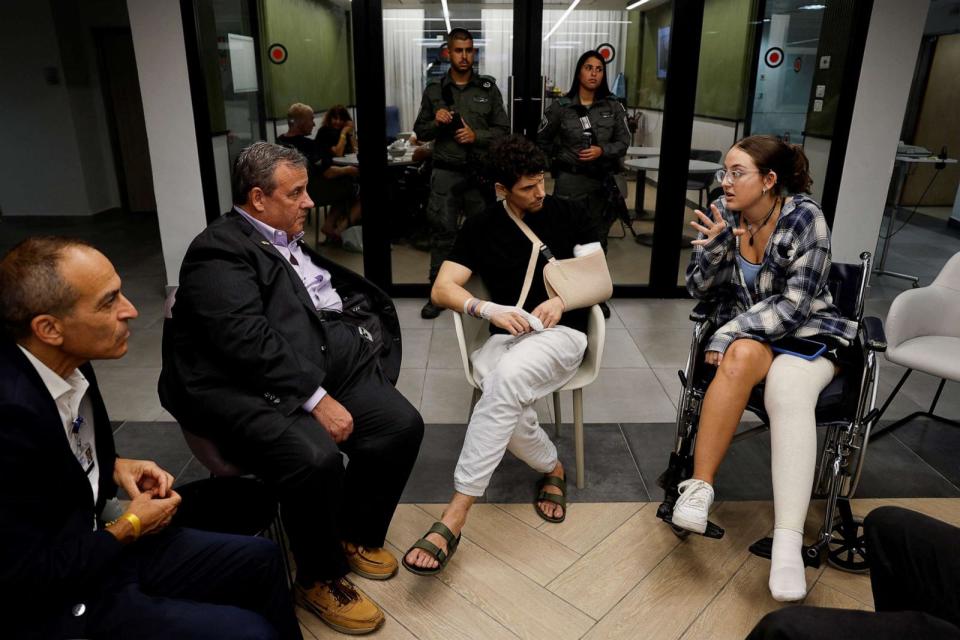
[846, 408]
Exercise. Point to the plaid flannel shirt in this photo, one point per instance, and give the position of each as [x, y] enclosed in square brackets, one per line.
[790, 294]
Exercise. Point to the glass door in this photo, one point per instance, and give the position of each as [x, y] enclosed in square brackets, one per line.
[417, 61]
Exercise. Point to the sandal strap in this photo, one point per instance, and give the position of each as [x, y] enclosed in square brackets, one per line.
[552, 497]
[430, 548]
[441, 529]
[554, 481]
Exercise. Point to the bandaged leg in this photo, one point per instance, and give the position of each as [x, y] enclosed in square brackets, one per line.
[790, 397]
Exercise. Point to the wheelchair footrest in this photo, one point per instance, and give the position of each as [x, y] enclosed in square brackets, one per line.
[665, 513]
[764, 548]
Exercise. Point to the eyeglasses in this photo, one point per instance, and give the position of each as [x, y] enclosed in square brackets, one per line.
[734, 175]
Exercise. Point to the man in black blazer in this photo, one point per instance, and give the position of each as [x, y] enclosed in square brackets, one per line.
[64, 573]
[285, 360]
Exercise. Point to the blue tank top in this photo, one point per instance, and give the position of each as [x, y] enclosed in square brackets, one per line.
[749, 270]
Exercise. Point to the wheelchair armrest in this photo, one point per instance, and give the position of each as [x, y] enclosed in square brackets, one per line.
[701, 312]
[873, 336]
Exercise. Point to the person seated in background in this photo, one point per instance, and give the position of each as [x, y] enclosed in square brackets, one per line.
[284, 359]
[64, 572]
[329, 183]
[915, 578]
[763, 259]
[336, 133]
[535, 347]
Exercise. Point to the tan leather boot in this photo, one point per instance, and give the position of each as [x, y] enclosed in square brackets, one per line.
[371, 563]
[342, 606]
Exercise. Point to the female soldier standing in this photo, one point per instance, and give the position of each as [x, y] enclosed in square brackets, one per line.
[585, 134]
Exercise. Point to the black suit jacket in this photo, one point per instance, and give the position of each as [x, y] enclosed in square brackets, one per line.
[50, 557]
[245, 346]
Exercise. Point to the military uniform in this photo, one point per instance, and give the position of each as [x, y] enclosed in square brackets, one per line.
[561, 136]
[453, 188]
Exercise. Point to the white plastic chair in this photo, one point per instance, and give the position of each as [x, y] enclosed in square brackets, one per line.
[473, 332]
[923, 334]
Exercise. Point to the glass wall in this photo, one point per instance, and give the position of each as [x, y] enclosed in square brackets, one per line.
[791, 32]
[723, 88]
[415, 54]
[615, 33]
[227, 44]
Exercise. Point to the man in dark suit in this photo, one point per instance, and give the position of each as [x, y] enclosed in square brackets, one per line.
[64, 573]
[285, 359]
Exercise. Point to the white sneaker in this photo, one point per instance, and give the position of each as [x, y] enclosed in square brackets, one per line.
[693, 505]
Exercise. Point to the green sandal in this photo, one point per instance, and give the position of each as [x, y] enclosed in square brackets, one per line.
[544, 496]
[433, 550]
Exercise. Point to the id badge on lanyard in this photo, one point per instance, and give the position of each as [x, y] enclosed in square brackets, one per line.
[585, 123]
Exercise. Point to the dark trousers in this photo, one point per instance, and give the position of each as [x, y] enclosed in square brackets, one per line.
[590, 194]
[321, 502]
[190, 584]
[451, 193]
[915, 577]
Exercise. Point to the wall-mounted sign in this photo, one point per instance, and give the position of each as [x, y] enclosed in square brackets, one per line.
[773, 57]
[608, 52]
[277, 53]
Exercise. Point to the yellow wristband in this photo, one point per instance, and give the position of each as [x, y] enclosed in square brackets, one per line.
[134, 521]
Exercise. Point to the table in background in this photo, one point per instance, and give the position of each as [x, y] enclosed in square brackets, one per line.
[902, 163]
[653, 164]
[641, 152]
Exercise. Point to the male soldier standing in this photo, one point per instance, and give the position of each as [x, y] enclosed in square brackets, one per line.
[464, 113]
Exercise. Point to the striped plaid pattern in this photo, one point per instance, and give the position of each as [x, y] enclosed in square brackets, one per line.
[790, 295]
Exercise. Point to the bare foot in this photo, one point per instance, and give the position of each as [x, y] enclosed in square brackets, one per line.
[550, 509]
[423, 560]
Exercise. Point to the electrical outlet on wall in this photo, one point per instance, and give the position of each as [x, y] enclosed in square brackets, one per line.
[818, 106]
[821, 90]
[824, 62]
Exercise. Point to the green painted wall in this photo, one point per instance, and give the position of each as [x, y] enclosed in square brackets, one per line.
[318, 69]
[652, 89]
[725, 58]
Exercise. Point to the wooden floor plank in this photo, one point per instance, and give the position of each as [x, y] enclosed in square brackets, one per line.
[524, 513]
[587, 524]
[596, 582]
[430, 609]
[823, 595]
[536, 555]
[492, 585]
[740, 604]
[391, 629]
[689, 577]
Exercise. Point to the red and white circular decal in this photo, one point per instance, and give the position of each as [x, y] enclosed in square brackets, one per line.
[277, 53]
[607, 51]
[773, 57]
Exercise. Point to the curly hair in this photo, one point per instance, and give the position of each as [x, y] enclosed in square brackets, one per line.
[512, 158]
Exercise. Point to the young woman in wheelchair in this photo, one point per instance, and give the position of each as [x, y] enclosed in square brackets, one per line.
[762, 260]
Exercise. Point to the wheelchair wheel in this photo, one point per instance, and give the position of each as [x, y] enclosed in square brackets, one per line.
[846, 551]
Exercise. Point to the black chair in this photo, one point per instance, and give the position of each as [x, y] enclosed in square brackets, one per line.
[846, 408]
[701, 182]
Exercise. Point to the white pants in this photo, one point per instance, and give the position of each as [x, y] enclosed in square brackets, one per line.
[790, 397]
[513, 373]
